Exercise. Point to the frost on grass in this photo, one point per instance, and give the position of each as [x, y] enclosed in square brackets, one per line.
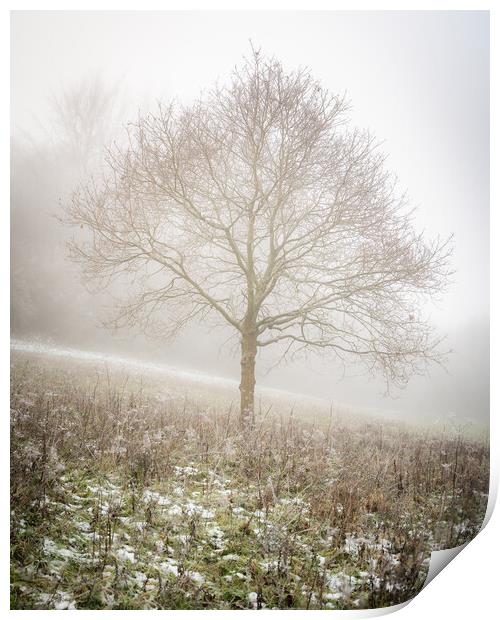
[199, 515]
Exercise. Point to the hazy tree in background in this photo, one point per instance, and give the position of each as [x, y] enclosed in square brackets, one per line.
[259, 208]
[45, 296]
[85, 119]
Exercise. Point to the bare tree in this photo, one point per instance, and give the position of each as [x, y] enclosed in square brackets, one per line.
[85, 118]
[259, 208]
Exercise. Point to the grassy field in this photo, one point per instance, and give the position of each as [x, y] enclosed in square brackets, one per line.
[138, 493]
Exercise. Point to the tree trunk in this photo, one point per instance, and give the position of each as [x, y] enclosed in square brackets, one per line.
[247, 385]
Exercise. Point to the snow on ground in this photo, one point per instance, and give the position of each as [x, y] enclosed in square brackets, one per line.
[25, 346]
[196, 557]
[172, 372]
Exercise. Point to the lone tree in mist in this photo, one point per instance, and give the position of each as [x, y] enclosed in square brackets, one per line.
[258, 207]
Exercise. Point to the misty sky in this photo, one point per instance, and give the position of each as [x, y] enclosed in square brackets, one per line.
[418, 80]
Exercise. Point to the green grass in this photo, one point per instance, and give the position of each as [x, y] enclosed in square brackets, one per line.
[120, 500]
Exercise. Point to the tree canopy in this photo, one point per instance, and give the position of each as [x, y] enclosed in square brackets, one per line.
[258, 206]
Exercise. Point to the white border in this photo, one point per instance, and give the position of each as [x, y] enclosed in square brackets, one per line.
[467, 587]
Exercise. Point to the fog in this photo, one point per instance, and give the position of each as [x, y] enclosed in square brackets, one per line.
[419, 81]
